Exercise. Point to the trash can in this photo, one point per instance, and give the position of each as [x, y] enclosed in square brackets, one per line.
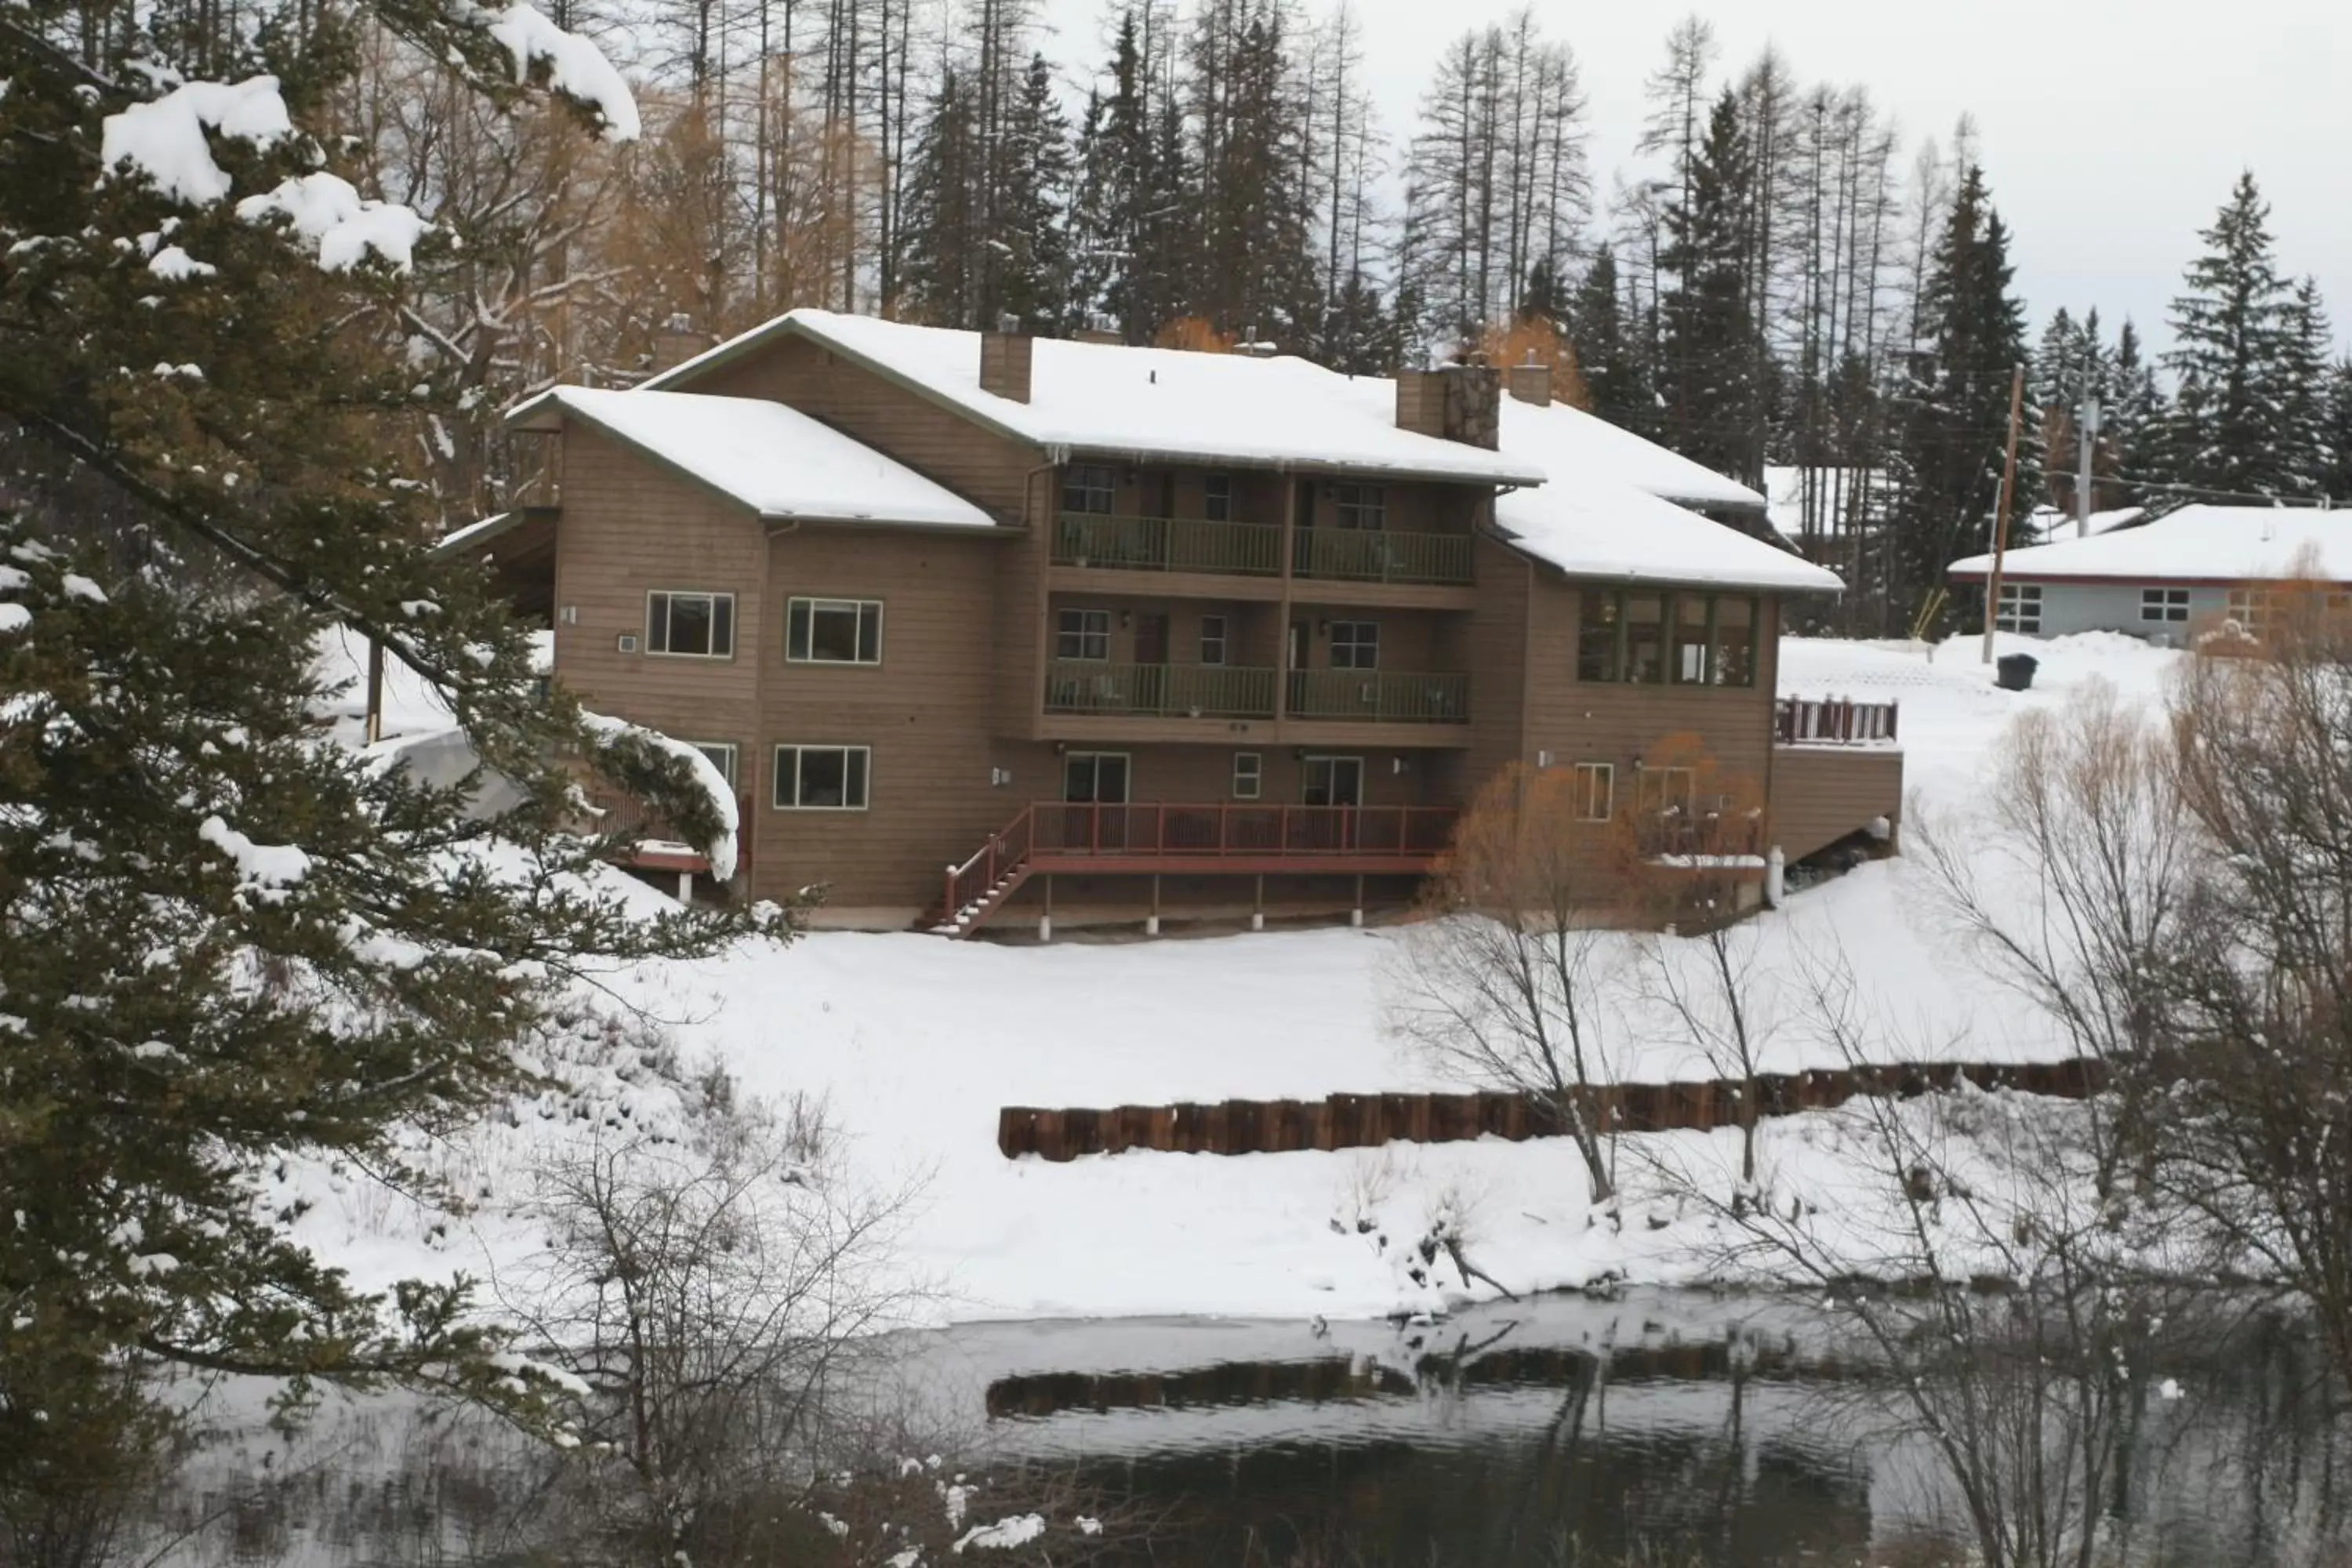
[2014, 671]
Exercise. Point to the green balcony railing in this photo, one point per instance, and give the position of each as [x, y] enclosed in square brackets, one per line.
[1168, 544]
[1380, 695]
[1159, 690]
[1375, 555]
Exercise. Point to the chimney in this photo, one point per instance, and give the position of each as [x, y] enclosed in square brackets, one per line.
[1531, 383]
[677, 342]
[1005, 356]
[1457, 403]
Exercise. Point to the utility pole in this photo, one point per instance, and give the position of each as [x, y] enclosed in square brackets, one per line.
[2086, 447]
[2001, 519]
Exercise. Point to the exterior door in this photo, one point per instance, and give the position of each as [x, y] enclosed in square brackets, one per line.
[1094, 786]
[1151, 666]
[1333, 782]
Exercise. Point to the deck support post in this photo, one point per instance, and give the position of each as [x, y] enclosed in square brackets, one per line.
[1775, 877]
[1257, 911]
[685, 887]
[1356, 915]
[1046, 919]
[1151, 923]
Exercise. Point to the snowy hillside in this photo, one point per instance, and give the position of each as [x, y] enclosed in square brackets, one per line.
[916, 1042]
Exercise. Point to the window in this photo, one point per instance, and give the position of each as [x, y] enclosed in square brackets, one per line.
[1691, 639]
[1217, 497]
[1645, 639]
[1665, 791]
[2020, 608]
[1088, 488]
[2251, 608]
[1213, 639]
[2164, 603]
[1249, 775]
[1355, 645]
[723, 757]
[690, 625]
[1692, 612]
[821, 778]
[1597, 627]
[1360, 506]
[1082, 634]
[832, 631]
[1596, 791]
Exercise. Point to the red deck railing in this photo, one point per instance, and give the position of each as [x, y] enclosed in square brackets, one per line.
[1832, 721]
[1227, 838]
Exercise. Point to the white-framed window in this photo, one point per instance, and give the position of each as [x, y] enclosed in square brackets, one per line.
[823, 778]
[2019, 608]
[1217, 497]
[1596, 791]
[2251, 608]
[1360, 506]
[1355, 645]
[2164, 603]
[1082, 634]
[1089, 488]
[1249, 776]
[1213, 639]
[1666, 790]
[722, 755]
[687, 624]
[832, 631]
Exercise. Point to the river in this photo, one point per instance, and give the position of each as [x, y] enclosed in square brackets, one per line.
[1661, 1427]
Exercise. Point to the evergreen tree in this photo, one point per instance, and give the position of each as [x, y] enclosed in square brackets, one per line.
[941, 284]
[1029, 255]
[1257, 217]
[2338, 487]
[1950, 449]
[1546, 298]
[1713, 402]
[2230, 332]
[225, 942]
[2135, 423]
[1607, 355]
[2308, 454]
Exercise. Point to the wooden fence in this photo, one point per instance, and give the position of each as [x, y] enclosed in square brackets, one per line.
[1369, 1120]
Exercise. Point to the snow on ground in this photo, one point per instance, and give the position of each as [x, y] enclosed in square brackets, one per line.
[916, 1042]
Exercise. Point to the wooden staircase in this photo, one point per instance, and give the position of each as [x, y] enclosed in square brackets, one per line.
[994, 873]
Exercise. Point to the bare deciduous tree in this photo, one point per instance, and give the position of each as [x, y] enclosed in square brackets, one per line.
[1502, 985]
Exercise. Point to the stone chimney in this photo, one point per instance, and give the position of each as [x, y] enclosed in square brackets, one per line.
[1005, 356]
[1530, 383]
[1455, 401]
[677, 342]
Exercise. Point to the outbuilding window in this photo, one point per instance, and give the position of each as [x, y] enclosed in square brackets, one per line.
[2164, 603]
[2019, 608]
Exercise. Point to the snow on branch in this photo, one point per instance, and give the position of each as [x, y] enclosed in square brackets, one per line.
[610, 731]
[164, 138]
[346, 226]
[575, 67]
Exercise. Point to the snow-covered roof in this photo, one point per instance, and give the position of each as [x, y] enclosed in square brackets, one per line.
[2048, 524]
[1144, 402]
[776, 460]
[1593, 526]
[2195, 545]
[1571, 443]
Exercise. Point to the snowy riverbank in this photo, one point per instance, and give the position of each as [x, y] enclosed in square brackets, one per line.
[915, 1043]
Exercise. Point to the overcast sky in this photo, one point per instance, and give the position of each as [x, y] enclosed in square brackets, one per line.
[2110, 131]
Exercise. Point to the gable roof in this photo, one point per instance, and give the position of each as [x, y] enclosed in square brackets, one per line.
[1573, 443]
[1111, 400]
[2195, 545]
[774, 459]
[1596, 527]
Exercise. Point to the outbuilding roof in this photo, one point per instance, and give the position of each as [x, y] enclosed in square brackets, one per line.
[2195, 545]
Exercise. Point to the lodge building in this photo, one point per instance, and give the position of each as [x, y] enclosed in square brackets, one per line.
[983, 626]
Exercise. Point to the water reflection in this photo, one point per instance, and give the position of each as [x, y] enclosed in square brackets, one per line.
[1667, 1429]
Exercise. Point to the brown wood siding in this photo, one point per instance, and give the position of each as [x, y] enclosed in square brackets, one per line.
[976, 463]
[1821, 794]
[1591, 721]
[1498, 662]
[925, 711]
[630, 525]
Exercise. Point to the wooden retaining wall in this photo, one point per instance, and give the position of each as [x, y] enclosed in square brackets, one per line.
[1369, 1120]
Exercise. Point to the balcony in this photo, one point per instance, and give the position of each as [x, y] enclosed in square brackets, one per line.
[1361, 555]
[1380, 697]
[1159, 690]
[1168, 544]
